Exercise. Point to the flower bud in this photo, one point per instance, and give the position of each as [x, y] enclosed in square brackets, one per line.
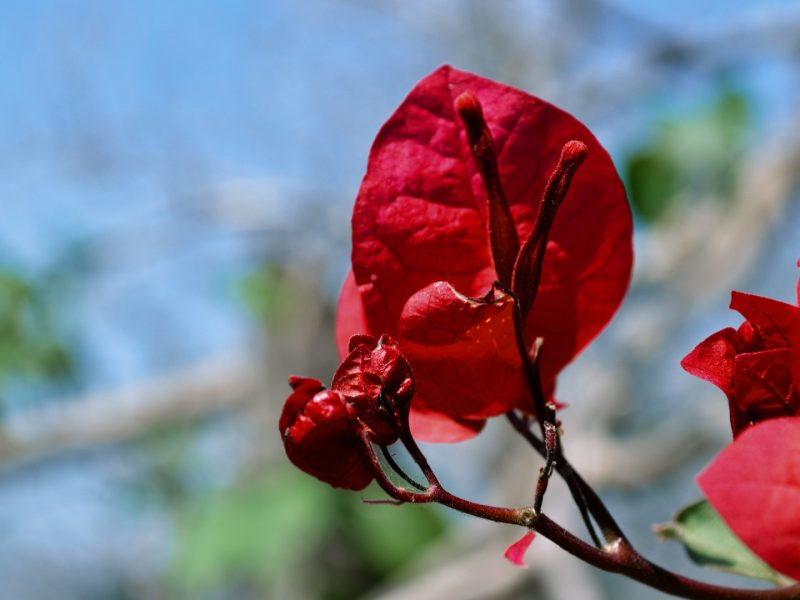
[377, 380]
[320, 438]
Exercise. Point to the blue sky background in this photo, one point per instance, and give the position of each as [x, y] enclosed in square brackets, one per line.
[122, 125]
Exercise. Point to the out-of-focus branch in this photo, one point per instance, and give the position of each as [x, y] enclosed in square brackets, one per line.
[220, 383]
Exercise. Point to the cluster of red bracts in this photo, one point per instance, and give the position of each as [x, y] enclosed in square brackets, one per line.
[491, 243]
[757, 365]
[755, 482]
[371, 392]
[475, 244]
[461, 191]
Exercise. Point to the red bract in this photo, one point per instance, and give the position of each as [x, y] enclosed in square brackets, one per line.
[372, 389]
[425, 258]
[757, 365]
[755, 485]
[377, 380]
[515, 553]
[319, 436]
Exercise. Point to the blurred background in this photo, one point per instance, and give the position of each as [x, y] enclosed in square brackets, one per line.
[177, 183]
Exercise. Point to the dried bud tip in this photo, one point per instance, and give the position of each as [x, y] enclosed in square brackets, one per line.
[550, 433]
[574, 153]
[360, 339]
[469, 107]
[305, 383]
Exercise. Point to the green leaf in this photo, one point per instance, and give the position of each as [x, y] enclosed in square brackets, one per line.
[653, 182]
[268, 293]
[387, 537]
[252, 532]
[709, 542]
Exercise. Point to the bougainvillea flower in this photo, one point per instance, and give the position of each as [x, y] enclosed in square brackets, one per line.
[373, 386]
[435, 224]
[754, 484]
[756, 365]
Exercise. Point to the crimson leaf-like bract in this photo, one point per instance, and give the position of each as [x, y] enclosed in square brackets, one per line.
[755, 485]
[422, 265]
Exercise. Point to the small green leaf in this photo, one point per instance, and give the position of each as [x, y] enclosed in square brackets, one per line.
[251, 532]
[653, 182]
[387, 537]
[709, 542]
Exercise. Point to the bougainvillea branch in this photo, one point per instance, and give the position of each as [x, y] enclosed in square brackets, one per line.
[585, 497]
[446, 320]
[617, 557]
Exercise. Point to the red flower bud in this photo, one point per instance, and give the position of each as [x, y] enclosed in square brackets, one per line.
[372, 390]
[377, 380]
[320, 437]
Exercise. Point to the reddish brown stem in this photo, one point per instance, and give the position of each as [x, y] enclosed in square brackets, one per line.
[530, 368]
[588, 497]
[615, 558]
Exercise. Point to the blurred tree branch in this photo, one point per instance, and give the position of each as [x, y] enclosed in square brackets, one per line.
[221, 383]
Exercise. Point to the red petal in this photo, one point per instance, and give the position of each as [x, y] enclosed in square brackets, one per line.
[764, 382]
[350, 317]
[421, 212]
[771, 318]
[463, 352]
[516, 551]
[373, 368]
[755, 485]
[304, 389]
[430, 426]
[740, 420]
[713, 359]
[321, 441]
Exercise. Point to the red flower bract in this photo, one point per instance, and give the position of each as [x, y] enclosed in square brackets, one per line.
[757, 365]
[423, 265]
[755, 485]
[371, 389]
[515, 553]
[319, 436]
[377, 380]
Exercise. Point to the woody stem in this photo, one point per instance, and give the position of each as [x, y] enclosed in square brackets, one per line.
[588, 499]
[614, 557]
[530, 368]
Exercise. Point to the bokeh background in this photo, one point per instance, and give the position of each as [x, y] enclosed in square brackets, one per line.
[177, 182]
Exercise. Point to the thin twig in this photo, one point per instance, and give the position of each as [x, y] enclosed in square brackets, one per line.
[586, 498]
[616, 558]
[397, 469]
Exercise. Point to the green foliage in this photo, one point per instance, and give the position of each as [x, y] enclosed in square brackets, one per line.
[261, 535]
[29, 344]
[268, 293]
[700, 153]
[252, 532]
[709, 542]
[389, 536]
[653, 181]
